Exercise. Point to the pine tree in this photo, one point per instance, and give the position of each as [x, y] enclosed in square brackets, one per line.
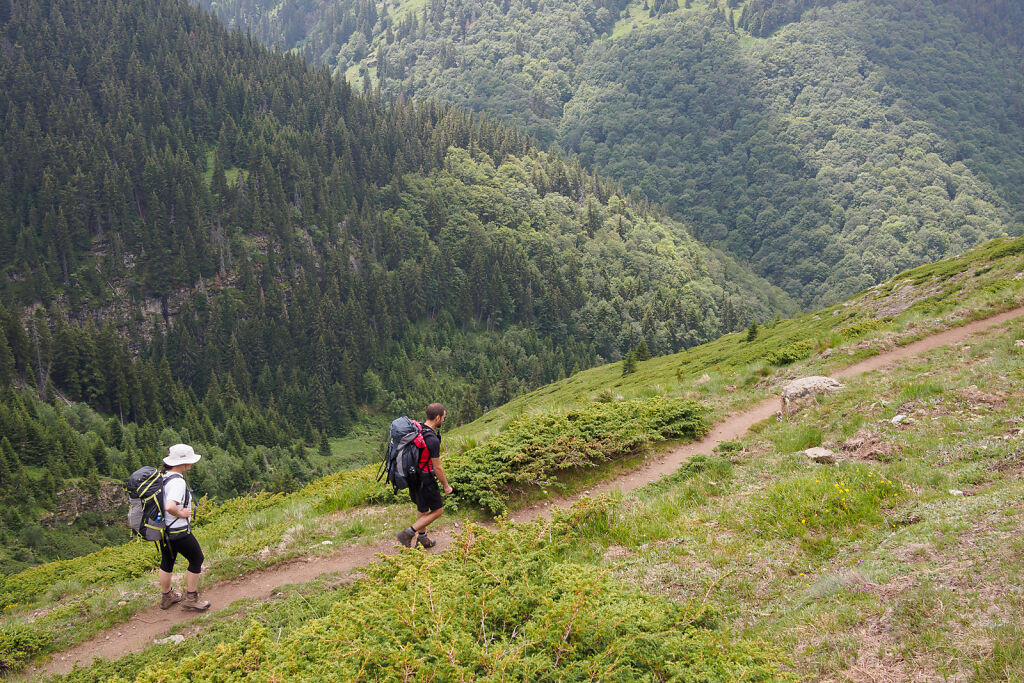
[6, 362]
[642, 352]
[629, 363]
[469, 409]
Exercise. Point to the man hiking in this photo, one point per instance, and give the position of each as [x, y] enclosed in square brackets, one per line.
[424, 492]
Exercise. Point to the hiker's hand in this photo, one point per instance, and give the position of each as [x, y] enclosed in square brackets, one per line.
[448, 490]
[184, 513]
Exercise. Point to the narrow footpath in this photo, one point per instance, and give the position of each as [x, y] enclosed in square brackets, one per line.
[138, 633]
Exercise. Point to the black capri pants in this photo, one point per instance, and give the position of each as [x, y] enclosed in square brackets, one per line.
[185, 544]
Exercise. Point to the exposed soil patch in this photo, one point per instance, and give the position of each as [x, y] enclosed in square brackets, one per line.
[975, 397]
[617, 553]
[866, 445]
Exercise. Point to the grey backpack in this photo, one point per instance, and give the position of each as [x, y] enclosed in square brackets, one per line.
[401, 460]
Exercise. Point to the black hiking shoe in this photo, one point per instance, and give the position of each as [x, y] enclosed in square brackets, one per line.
[425, 541]
[405, 537]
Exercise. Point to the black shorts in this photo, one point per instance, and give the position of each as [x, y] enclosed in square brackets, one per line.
[426, 496]
[184, 544]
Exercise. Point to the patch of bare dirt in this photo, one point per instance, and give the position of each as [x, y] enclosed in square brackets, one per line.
[884, 343]
[617, 553]
[865, 445]
[975, 396]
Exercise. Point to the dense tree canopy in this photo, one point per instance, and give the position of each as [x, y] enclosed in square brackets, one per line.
[845, 141]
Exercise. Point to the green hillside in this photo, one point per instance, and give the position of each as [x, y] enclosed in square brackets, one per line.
[831, 144]
[204, 240]
[755, 496]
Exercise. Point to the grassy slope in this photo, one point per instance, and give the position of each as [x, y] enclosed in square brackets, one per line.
[981, 282]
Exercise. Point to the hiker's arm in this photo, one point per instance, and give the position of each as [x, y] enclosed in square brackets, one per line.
[436, 462]
[176, 510]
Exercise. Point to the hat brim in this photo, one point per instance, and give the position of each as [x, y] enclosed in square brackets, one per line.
[187, 460]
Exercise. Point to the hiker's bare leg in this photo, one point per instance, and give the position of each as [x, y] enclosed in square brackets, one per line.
[165, 581]
[191, 582]
[425, 518]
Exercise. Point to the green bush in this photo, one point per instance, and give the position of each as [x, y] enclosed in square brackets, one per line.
[18, 644]
[791, 353]
[533, 449]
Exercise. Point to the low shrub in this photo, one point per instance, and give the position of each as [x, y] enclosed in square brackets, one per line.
[496, 606]
[790, 353]
[532, 450]
[18, 644]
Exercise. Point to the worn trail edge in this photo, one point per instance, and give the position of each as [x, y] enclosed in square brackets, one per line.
[139, 633]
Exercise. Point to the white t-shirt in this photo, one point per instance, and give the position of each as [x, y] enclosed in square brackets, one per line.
[175, 489]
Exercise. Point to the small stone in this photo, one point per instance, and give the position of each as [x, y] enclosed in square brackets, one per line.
[956, 492]
[899, 419]
[176, 639]
[821, 455]
[704, 379]
[730, 388]
[1019, 344]
[327, 543]
[122, 603]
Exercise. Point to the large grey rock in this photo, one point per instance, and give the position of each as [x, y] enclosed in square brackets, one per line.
[176, 639]
[799, 390]
[821, 455]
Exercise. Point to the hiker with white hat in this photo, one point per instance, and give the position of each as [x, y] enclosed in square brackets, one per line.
[178, 538]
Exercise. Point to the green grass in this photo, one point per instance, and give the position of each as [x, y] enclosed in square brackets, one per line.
[362, 446]
[637, 18]
[230, 174]
[817, 557]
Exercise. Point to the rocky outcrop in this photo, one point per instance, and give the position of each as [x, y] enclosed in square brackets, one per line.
[73, 502]
[800, 390]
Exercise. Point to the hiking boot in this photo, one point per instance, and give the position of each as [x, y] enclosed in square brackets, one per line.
[425, 541]
[170, 598]
[405, 537]
[193, 602]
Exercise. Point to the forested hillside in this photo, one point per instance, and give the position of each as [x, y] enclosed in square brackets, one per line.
[203, 240]
[830, 143]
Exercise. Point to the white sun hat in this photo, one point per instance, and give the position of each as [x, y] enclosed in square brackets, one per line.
[181, 454]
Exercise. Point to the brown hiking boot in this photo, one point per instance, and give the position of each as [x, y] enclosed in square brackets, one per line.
[170, 598]
[405, 537]
[193, 602]
[426, 541]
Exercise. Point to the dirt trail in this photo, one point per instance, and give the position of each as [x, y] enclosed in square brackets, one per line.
[138, 633]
